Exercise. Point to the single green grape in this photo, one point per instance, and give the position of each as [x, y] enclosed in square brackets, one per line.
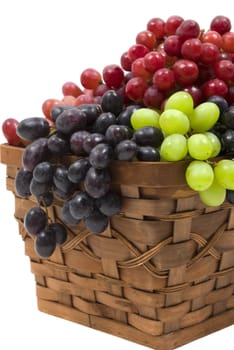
[199, 175]
[204, 116]
[214, 195]
[224, 173]
[144, 117]
[180, 100]
[173, 121]
[199, 146]
[174, 148]
[215, 143]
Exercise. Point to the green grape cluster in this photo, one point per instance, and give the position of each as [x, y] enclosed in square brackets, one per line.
[188, 135]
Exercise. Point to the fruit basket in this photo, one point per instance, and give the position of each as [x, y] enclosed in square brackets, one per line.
[160, 275]
[124, 190]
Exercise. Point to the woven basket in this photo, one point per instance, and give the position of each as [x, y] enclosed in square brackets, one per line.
[161, 275]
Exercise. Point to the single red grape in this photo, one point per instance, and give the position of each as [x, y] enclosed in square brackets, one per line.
[153, 98]
[48, 105]
[157, 26]
[209, 53]
[90, 78]
[172, 23]
[224, 70]
[135, 89]
[211, 36]
[220, 24]
[172, 45]
[9, 127]
[83, 99]
[188, 29]
[153, 61]
[125, 62]
[191, 49]
[71, 89]
[113, 75]
[138, 69]
[215, 87]
[146, 38]
[228, 42]
[136, 51]
[164, 79]
[186, 72]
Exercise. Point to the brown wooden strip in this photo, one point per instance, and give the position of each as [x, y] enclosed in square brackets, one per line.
[79, 261]
[63, 311]
[146, 325]
[175, 255]
[219, 295]
[226, 242]
[46, 293]
[230, 302]
[149, 232]
[108, 248]
[140, 297]
[87, 307]
[202, 269]
[149, 282]
[148, 207]
[118, 303]
[149, 174]
[171, 313]
[196, 317]
[197, 290]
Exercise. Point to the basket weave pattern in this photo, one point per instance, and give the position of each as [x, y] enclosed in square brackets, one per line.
[161, 275]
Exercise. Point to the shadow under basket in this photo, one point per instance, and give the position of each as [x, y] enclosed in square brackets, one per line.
[161, 275]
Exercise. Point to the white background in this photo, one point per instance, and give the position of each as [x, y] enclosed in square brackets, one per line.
[43, 44]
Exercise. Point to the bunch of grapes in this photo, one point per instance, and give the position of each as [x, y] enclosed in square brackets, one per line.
[171, 98]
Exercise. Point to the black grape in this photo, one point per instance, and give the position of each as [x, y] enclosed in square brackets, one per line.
[92, 112]
[81, 205]
[43, 172]
[22, 182]
[61, 180]
[58, 144]
[96, 222]
[227, 117]
[76, 142]
[112, 102]
[71, 120]
[57, 110]
[38, 188]
[101, 156]
[227, 140]
[77, 170]
[35, 153]
[66, 215]
[92, 140]
[109, 204]
[30, 129]
[59, 231]
[104, 120]
[126, 150]
[45, 243]
[97, 182]
[148, 154]
[116, 133]
[148, 136]
[35, 220]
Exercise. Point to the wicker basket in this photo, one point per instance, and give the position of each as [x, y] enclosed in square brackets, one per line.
[161, 275]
